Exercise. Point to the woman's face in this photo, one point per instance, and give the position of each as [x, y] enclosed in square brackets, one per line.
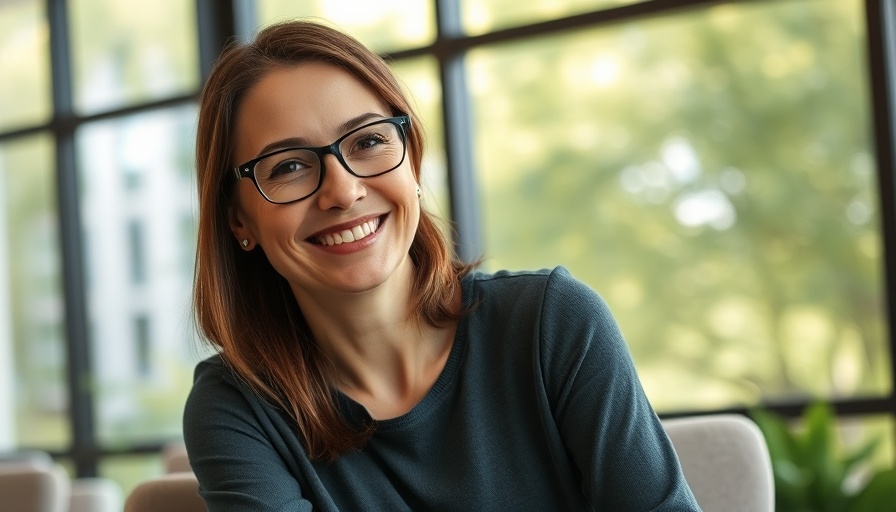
[314, 104]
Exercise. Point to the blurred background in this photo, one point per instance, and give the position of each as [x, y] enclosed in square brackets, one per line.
[718, 171]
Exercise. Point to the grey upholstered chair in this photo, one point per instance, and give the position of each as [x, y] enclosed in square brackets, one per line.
[725, 461]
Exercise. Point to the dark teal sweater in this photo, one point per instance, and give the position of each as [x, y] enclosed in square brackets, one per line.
[538, 408]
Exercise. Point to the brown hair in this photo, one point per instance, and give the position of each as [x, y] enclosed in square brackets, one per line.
[243, 307]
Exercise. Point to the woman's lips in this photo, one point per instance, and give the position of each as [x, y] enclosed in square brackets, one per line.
[349, 234]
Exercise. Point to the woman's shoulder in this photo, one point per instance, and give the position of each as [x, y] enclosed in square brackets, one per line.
[212, 367]
[219, 397]
[514, 279]
[553, 298]
[214, 379]
[546, 284]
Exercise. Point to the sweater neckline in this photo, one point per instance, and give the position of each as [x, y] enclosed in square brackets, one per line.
[357, 414]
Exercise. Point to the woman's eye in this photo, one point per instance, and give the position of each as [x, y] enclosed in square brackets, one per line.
[288, 167]
[369, 141]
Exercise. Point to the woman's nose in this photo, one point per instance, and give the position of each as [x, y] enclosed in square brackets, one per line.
[340, 188]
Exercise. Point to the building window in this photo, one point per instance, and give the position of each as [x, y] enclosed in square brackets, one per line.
[143, 349]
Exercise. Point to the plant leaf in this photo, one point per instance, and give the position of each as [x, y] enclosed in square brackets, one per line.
[778, 437]
[822, 457]
[879, 495]
[791, 481]
[860, 455]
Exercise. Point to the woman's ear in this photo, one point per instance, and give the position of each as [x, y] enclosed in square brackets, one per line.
[240, 228]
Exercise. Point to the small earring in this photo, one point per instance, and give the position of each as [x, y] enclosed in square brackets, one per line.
[245, 243]
[419, 192]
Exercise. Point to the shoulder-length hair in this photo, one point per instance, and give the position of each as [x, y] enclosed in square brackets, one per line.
[242, 306]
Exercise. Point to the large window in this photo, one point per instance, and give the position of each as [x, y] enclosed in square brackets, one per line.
[97, 229]
[718, 171]
[713, 181]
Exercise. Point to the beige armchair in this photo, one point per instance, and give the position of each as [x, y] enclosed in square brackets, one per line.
[34, 486]
[174, 457]
[174, 492]
[32, 482]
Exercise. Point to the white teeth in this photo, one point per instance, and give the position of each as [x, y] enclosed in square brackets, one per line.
[354, 234]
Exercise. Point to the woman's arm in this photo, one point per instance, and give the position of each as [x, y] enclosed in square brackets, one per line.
[231, 452]
[614, 437]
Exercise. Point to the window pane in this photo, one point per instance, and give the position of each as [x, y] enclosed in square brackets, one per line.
[32, 351]
[386, 25]
[127, 51]
[421, 80]
[137, 205]
[480, 16]
[24, 59]
[711, 174]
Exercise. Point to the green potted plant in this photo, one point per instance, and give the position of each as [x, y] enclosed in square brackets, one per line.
[811, 471]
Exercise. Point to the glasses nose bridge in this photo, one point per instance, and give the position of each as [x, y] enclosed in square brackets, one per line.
[332, 149]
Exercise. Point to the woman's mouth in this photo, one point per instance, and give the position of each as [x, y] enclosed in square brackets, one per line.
[353, 234]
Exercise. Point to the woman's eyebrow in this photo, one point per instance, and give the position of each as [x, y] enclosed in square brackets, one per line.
[293, 142]
[358, 120]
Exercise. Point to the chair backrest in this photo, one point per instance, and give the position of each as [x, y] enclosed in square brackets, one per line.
[33, 486]
[95, 495]
[29, 456]
[174, 457]
[725, 461]
[174, 492]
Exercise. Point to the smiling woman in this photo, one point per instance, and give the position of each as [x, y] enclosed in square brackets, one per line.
[360, 366]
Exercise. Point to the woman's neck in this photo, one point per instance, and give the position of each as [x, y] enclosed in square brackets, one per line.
[380, 353]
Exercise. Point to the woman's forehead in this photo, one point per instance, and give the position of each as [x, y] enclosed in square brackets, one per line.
[312, 101]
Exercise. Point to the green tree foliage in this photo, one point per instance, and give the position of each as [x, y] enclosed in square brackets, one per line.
[710, 173]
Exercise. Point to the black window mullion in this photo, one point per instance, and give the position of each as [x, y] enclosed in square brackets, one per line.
[458, 142]
[880, 17]
[81, 401]
[217, 23]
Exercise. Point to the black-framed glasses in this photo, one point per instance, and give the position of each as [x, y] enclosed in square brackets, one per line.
[292, 174]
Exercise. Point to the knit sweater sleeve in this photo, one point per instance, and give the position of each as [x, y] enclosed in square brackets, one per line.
[229, 442]
[615, 439]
